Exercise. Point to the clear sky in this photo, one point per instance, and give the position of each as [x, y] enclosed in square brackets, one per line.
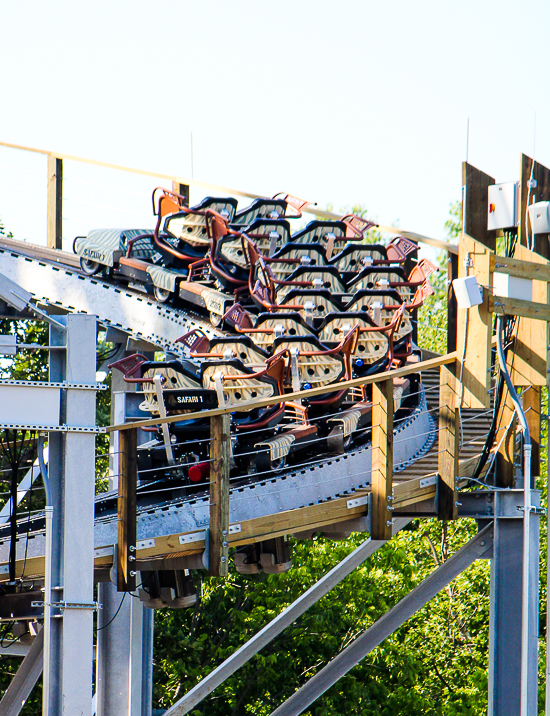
[338, 102]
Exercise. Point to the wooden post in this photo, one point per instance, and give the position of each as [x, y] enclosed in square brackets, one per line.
[382, 459]
[452, 308]
[182, 189]
[540, 192]
[447, 495]
[505, 456]
[127, 485]
[477, 205]
[220, 453]
[55, 202]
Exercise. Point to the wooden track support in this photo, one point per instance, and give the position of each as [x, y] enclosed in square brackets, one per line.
[220, 454]
[127, 518]
[382, 459]
[447, 494]
[55, 202]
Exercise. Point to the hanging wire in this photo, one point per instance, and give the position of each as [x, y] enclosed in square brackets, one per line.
[115, 614]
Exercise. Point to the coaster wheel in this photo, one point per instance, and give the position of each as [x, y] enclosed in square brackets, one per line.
[162, 294]
[215, 319]
[89, 267]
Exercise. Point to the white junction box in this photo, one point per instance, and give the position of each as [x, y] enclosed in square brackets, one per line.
[539, 216]
[468, 292]
[503, 206]
[512, 287]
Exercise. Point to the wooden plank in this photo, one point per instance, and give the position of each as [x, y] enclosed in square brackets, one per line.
[311, 209]
[522, 269]
[303, 394]
[529, 364]
[182, 190]
[260, 528]
[449, 430]
[505, 455]
[540, 192]
[220, 453]
[518, 307]
[475, 327]
[55, 202]
[531, 406]
[382, 459]
[127, 485]
[476, 185]
[452, 308]
[40, 252]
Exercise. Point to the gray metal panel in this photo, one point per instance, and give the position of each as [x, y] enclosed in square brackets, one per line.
[135, 314]
[123, 666]
[505, 625]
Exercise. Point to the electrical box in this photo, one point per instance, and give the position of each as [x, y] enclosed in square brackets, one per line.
[539, 216]
[512, 287]
[468, 292]
[503, 206]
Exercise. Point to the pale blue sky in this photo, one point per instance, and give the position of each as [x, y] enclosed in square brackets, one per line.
[342, 102]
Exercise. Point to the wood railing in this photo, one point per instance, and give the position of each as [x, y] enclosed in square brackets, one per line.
[381, 473]
[179, 184]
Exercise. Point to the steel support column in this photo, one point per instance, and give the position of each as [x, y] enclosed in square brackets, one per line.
[124, 655]
[72, 475]
[505, 623]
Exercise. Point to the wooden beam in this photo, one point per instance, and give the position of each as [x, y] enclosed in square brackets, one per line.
[518, 307]
[452, 308]
[382, 459]
[55, 203]
[127, 485]
[529, 357]
[540, 192]
[476, 185]
[302, 394]
[311, 209]
[220, 454]
[475, 327]
[407, 493]
[449, 429]
[522, 269]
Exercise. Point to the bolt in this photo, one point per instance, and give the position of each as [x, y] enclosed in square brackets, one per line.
[131, 558]
[133, 574]
[223, 559]
[225, 544]
[132, 548]
[482, 543]
[224, 532]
